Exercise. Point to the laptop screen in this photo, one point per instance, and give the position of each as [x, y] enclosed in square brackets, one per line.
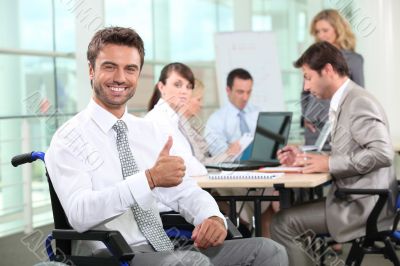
[323, 136]
[271, 134]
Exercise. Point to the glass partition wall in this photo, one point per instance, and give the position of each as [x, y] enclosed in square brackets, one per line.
[39, 75]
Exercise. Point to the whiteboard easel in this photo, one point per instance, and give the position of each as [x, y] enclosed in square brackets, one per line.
[257, 53]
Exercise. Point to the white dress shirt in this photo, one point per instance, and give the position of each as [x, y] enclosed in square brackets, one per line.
[85, 169]
[223, 126]
[337, 96]
[167, 120]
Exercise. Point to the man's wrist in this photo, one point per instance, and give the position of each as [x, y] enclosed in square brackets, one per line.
[150, 179]
[218, 219]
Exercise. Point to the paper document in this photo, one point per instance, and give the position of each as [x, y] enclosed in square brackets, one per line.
[244, 141]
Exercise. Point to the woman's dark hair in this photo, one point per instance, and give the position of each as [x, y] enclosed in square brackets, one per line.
[181, 69]
[154, 98]
[322, 53]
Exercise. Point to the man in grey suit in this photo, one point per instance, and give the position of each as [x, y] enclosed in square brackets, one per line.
[361, 157]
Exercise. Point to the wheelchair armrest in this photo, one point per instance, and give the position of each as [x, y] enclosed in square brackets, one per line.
[233, 232]
[114, 241]
[174, 219]
[372, 221]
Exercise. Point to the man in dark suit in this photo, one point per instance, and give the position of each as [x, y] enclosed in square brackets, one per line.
[361, 157]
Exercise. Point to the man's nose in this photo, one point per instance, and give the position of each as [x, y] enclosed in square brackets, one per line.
[119, 76]
[305, 86]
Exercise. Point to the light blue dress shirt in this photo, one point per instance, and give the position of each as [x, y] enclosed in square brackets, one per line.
[223, 126]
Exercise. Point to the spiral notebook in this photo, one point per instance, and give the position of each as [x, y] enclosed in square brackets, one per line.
[243, 175]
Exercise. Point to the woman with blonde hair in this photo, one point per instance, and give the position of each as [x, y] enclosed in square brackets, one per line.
[328, 25]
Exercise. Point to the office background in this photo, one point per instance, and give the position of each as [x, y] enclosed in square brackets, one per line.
[44, 74]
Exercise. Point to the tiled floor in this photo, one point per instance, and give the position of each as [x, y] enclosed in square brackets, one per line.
[369, 260]
[15, 251]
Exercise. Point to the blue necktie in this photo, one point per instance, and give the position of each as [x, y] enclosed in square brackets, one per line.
[244, 128]
[146, 219]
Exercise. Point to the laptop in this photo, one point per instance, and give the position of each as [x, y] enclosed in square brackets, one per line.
[320, 142]
[271, 134]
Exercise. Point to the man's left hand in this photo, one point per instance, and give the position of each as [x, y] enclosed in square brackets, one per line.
[314, 163]
[211, 232]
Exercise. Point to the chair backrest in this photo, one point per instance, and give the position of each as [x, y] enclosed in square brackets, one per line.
[60, 219]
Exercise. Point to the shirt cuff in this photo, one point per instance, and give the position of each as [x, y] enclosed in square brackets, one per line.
[140, 190]
[203, 216]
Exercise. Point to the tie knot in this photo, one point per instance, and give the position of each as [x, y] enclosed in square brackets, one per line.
[120, 126]
[241, 114]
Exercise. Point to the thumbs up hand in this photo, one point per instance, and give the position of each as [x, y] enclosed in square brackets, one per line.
[168, 170]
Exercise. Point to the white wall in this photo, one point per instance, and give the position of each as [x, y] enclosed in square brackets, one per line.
[89, 17]
[378, 35]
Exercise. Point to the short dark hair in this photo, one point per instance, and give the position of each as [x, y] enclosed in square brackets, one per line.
[237, 73]
[322, 53]
[114, 35]
[180, 68]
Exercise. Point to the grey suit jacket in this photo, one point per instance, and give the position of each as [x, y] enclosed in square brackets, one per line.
[361, 157]
[316, 110]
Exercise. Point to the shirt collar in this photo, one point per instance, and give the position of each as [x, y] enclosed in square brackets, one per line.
[164, 106]
[236, 110]
[337, 96]
[103, 118]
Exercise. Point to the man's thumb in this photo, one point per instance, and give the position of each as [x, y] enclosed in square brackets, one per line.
[167, 147]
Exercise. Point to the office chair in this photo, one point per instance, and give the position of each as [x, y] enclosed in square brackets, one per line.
[121, 253]
[368, 244]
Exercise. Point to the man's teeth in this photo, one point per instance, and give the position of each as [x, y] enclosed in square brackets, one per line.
[117, 89]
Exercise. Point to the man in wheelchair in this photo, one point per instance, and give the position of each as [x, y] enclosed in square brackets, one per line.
[109, 168]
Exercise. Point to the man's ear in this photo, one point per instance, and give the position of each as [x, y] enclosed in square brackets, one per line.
[228, 90]
[91, 71]
[328, 68]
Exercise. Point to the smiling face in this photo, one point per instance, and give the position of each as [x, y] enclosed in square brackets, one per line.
[176, 91]
[325, 32]
[115, 76]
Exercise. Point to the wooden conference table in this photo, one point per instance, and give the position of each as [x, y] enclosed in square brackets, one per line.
[283, 184]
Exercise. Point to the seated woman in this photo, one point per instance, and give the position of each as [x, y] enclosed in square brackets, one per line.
[171, 94]
[174, 107]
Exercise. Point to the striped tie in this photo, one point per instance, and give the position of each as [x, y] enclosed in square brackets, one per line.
[147, 221]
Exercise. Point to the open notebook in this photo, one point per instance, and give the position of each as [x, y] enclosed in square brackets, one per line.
[243, 175]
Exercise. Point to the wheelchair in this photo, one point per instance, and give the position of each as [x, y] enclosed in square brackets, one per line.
[175, 226]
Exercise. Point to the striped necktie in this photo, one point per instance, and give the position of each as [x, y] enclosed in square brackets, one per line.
[146, 219]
